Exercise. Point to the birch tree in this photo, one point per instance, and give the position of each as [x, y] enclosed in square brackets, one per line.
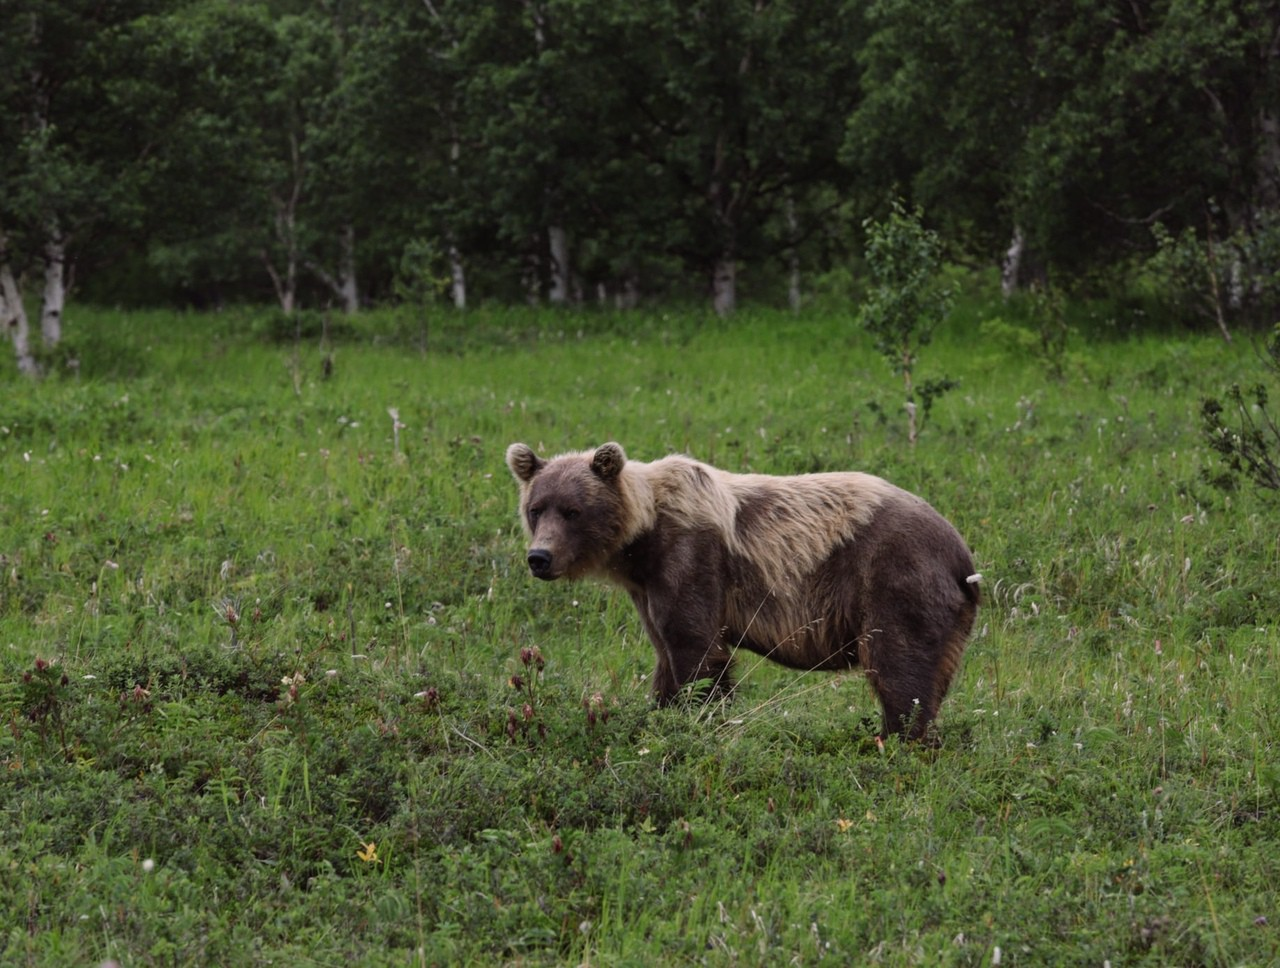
[322, 160]
[1054, 137]
[191, 97]
[13, 313]
[300, 114]
[422, 177]
[739, 99]
[63, 173]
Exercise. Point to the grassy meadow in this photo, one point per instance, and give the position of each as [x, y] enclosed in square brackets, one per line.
[278, 689]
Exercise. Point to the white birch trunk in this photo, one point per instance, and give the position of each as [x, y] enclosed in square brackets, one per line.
[348, 290]
[1235, 281]
[343, 285]
[795, 297]
[285, 280]
[1012, 266]
[286, 226]
[724, 281]
[531, 277]
[55, 287]
[457, 270]
[285, 284]
[628, 296]
[558, 240]
[13, 316]
[457, 276]
[1267, 165]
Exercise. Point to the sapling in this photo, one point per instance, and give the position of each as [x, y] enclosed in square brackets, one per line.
[906, 301]
[419, 282]
[1245, 433]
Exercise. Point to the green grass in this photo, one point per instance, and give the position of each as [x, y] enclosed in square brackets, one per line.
[245, 633]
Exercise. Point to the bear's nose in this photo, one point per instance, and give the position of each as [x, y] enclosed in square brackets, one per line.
[540, 563]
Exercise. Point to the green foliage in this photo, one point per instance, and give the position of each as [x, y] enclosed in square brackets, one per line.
[907, 300]
[1244, 433]
[1234, 279]
[286, 662]
[43, 700]
[1045, 340]
[421, 280]
[211, 152]
[421, 276]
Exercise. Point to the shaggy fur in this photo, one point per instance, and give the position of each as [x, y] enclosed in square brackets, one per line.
[818, 571]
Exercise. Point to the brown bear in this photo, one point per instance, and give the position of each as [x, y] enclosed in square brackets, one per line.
[816, 571]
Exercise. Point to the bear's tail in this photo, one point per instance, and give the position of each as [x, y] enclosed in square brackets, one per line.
[971, 587]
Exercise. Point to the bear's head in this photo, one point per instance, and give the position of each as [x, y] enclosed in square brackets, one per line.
[572, 508]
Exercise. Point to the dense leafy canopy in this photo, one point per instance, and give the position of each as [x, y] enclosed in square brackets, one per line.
[210, 150]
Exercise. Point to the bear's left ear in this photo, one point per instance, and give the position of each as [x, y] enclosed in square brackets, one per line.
[607, 461]
[524, 463]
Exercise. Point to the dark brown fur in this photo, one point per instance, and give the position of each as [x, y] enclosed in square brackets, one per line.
[821, 571]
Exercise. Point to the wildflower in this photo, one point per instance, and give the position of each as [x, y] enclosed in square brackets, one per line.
[396, 427]
[368, 852]
[532, 656]
[291, 683]
[843, 825]
[227, 611]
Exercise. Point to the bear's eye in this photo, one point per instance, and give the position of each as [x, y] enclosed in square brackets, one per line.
[534, 514]
[571, 513]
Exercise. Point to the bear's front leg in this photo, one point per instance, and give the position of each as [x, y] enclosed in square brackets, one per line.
[688, 644]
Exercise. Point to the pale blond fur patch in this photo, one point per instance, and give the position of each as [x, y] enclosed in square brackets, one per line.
[809, 514]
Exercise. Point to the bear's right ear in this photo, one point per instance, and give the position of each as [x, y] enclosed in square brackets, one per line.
[524, 463]
[607, 461]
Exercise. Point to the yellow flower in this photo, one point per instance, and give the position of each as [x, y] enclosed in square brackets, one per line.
[368, 852]
[843, 825]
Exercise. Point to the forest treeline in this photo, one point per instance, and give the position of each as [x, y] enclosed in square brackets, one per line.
[341, 153]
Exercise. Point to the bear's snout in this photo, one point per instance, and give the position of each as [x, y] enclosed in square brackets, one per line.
[540, 563]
